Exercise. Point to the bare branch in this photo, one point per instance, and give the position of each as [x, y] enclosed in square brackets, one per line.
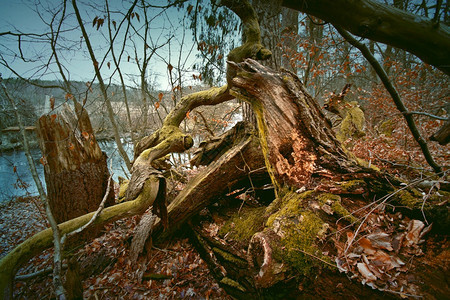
[395, 96]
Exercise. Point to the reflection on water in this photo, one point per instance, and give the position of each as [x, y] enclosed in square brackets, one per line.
[21, 183]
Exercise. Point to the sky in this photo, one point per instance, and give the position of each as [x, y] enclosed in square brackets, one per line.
[20, 15]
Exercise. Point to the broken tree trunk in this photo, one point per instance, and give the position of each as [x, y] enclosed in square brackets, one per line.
[75, 167]
[235, 168]
[320, 222]
[296, 138]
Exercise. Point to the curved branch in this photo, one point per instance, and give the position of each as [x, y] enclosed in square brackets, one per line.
[383, 23]
[395, 96]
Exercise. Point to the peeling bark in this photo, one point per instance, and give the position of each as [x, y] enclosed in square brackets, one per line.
[296, 138]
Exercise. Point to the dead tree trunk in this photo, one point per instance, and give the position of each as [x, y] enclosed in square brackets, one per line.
[323, 219]
[75, 168]
[296, 138]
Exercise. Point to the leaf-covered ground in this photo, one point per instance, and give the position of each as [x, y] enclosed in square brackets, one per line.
[178, 269]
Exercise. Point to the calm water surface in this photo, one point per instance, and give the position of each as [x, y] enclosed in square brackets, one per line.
[11, 182]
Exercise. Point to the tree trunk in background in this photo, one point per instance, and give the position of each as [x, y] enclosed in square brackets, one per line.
[289, 35]
[75, 168]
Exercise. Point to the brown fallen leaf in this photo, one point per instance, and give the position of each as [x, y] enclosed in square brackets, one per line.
[366, 244]
[365, 272]
[380, 240]
[412, 237]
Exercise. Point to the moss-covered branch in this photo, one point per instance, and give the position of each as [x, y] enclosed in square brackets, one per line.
[213, 96]
[43, 240]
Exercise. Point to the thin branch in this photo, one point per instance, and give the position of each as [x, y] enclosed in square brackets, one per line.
[395, 96]
[425, 114]
[102, 86]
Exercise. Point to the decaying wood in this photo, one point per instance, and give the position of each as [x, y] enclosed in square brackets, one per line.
[241, 163]
[211, 149]
[442, 136]
[75, 168]
[296, 138]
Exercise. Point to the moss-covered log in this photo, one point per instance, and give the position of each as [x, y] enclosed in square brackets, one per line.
[43, 240]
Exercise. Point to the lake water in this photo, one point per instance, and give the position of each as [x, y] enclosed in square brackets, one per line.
[10, 186]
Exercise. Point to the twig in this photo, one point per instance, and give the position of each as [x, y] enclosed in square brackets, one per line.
[205, 122]
[42, 272]
[57, 257]
[424, 114]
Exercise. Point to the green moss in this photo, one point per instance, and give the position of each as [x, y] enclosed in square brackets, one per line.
[242, 226]
[230, 257]
[298, 229]
[387, 127]
[409, 199]
[230, 282]
[122, 189]
[325, 198]
[334, 201]
[262, 130]
[352, 125]
[352, 185]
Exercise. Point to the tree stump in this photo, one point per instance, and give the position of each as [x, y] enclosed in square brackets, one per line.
[75, 168]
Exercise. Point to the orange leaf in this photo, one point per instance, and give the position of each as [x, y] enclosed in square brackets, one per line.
[71, 146]
[15, 169]
[160, 96]
[367, 245]
[85, 135]
[189, 9]
[187, 114]
[43, 161]
[68, 96]
[156, 105]
[52, 103]
[53, 117]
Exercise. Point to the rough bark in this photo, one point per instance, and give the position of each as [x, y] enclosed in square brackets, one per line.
[296, 138]
[317, 184]
[75, 168]
[383, 23]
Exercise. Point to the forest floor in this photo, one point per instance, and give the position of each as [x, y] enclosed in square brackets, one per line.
[180, 272]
